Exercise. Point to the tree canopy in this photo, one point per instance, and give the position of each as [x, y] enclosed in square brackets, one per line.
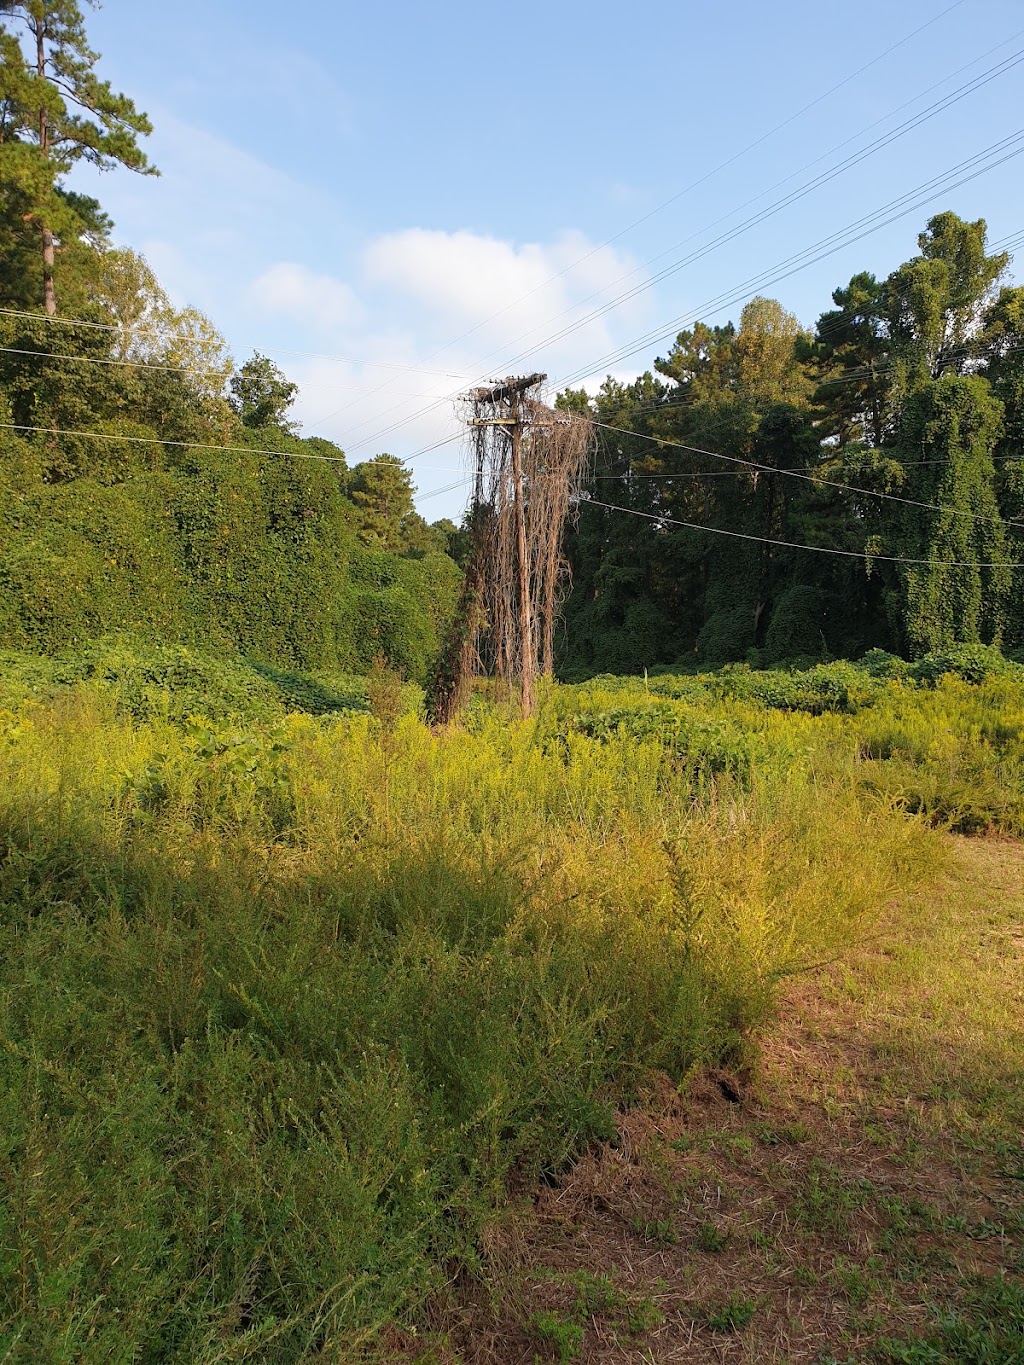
[887, 440]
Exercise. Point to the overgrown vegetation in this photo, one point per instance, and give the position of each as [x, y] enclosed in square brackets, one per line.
[890, 433]
[298, 992]
[288, 1001]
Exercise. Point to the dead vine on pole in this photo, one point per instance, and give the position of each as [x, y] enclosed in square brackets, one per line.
[529, 462]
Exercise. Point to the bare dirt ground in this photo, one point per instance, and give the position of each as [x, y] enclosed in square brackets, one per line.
[848, 1201]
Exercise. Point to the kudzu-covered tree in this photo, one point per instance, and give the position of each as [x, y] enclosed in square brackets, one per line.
[261, 394]
[894, 433]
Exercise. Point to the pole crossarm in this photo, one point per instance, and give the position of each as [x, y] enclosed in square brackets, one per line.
[502, 390]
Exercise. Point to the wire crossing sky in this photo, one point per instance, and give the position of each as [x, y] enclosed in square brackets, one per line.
[405, 219]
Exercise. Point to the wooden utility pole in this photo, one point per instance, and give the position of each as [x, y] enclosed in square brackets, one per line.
[527, 647]
[509, 412]
[529, 462]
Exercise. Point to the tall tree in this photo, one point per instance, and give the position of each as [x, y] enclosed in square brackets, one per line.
[55, 112]
[261, 394]
[382, 492]
[936, 302]
[852, 347]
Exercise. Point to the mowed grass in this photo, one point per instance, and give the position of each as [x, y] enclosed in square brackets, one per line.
[853, 1200]
[289, 1009]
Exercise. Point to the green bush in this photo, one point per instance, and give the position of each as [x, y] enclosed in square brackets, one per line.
[973, 663]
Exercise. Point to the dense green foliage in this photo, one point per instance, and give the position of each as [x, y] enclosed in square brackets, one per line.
[911, 388]
[289, 991]
[146, 485]
[252, 551]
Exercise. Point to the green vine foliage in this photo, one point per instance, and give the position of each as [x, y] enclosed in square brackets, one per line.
[957, 597]
[780, 477]
[248, 552]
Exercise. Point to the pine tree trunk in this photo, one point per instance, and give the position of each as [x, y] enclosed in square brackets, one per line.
[49, 295]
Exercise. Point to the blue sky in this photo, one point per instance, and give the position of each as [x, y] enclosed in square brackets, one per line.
[429, 199]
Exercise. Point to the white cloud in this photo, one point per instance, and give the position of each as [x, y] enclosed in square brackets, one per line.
[501, 291]
[221, 230]
[294, 290]
[452, 307]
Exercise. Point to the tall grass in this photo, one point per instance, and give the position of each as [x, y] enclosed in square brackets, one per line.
[287, 1008]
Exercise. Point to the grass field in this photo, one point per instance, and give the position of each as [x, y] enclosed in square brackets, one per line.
[854, 1197]
[299, 998]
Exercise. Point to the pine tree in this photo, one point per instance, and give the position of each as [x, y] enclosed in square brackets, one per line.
[55, 112]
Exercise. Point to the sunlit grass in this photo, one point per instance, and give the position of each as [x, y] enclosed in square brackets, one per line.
[287, 1005]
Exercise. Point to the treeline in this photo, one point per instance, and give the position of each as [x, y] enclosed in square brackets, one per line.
[181, 515]
[149, 486]
[146, 484]
[910, 387]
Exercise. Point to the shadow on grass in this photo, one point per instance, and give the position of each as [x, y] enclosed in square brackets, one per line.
[257, 1115]
[318, 697]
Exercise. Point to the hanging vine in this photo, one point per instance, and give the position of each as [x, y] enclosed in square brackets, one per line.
[529, 463]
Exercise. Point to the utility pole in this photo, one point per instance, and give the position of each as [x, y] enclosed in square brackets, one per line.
[529, 463]
[527, 646]
[504, 406]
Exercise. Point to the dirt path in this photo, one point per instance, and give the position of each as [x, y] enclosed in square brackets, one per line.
[865, 1187]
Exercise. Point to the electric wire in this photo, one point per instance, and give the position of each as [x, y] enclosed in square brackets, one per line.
[169, 441]
[156, 365]
[797, 545]
[809, 478]
[723, 165]
[930, 112]
[1010, 147]
[188, 336]
[892, 136]
[703, 179]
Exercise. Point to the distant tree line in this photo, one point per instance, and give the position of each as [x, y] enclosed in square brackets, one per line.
[136, 491]
[911, 387]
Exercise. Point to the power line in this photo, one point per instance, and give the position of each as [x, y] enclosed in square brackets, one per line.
[723, 165]
[825, 247]
[707, 176]
[1005, 244]
[772, 209]
[810, 478]
[152, 365]
[203, 445]
[796, 545]
[448, 488]
[188, 336]
[631, 474]
[168, 441]
[956, 95]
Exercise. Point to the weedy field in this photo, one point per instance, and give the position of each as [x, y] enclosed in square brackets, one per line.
[300, 1000]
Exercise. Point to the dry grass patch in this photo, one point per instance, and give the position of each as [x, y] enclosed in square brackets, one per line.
[822, 1209]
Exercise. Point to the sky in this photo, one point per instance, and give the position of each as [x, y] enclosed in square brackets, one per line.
[397, 201]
